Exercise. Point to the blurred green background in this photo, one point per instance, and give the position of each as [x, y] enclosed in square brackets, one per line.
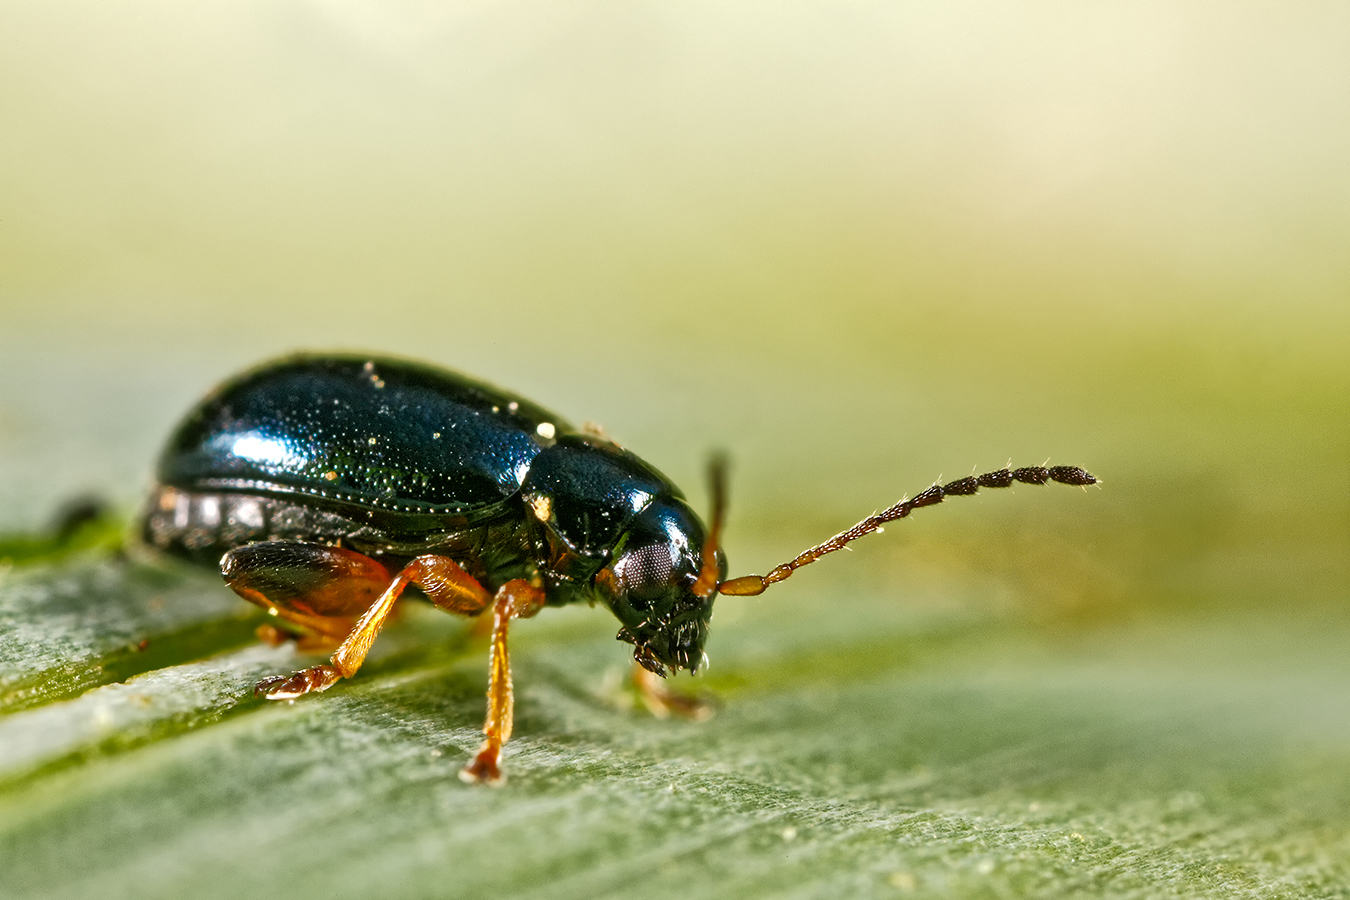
[856, 245]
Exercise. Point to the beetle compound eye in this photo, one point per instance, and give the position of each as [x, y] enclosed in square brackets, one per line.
[643, 569]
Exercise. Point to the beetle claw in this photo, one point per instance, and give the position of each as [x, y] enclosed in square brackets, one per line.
[484, 768]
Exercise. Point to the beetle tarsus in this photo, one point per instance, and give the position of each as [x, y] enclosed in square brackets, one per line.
[485, 767]
[306, 681]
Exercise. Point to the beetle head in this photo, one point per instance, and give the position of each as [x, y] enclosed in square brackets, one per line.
[652, 586]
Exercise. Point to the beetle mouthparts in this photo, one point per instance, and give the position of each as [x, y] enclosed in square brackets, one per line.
[642, 653]
[644, 658]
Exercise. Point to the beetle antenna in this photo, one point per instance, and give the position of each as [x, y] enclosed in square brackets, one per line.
[707, 585]
[750, 585]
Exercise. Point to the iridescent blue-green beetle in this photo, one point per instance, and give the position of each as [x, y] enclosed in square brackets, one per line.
[323, 485]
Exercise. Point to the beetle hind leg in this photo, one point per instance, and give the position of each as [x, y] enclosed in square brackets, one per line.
[314, 592]
[320, 588]
[311, 586]
[320, 635]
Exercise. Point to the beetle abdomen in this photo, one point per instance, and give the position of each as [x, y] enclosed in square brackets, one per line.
[202, 526]
[374, 434]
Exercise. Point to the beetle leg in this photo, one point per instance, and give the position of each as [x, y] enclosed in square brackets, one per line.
[318, 636]
[661, 701]
[448, 586]
[317, 588]
[313, 590]
[516, 599]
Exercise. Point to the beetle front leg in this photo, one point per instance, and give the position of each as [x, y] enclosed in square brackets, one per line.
[516, 599]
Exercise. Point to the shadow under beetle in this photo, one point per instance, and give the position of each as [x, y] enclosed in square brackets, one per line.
[323, 485]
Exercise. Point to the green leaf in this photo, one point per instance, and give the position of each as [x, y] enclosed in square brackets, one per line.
[861, 748]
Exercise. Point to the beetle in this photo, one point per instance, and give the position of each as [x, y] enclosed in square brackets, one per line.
[323, 485]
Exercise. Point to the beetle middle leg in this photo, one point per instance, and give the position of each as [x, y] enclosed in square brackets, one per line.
[515, 600]
[307, 582]
[662, 702]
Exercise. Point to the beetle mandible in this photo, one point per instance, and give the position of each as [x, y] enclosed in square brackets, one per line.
[324, 485]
